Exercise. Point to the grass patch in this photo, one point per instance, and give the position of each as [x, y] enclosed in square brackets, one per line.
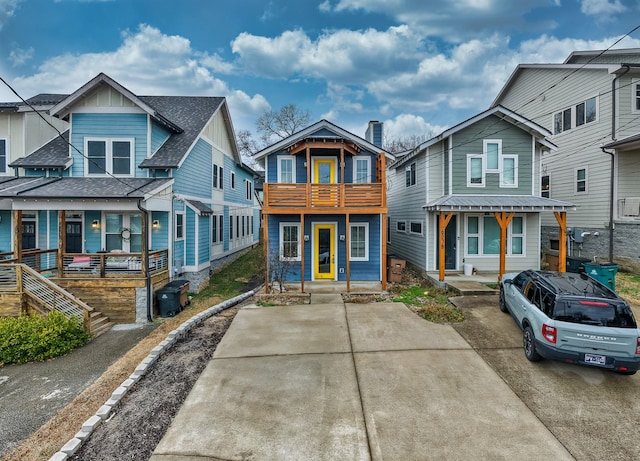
[628, 287]
[230, 280]
[432, 304]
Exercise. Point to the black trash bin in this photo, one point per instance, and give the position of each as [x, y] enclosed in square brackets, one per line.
[183, 286]
[574, 264]
[168, 301]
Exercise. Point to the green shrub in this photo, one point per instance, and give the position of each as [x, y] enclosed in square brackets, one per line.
[33, 338]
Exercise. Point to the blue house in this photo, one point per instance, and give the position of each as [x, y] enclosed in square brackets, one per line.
[324, 206]
[132, 192]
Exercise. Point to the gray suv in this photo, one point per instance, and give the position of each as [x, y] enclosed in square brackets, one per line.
[572, 318]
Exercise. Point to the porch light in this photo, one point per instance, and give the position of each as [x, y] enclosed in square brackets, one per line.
[155, 224]
[95, 224]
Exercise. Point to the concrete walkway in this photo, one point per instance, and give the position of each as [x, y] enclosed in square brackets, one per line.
[350, 382]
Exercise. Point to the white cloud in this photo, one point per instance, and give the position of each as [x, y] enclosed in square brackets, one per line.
[602, 9]
[7, 8]
[406, 125]
[19, 56]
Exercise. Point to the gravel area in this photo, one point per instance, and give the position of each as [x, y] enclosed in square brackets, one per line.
[141, 418]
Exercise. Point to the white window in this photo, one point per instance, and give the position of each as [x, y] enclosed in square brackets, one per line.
[290, 242]
[493, 150]
[216, 177]
[359, 242]
[415, 227]
[582, 113]
[635, 95]
[179, 226]
[230, 227]
[475, 170]
[361, 170]
[586, 112]
[248, 188]
[109, 156]
[483, 236]
[509, 171]
[581, 180]
[410, 175]
[4, 157]
[286, 169]
[545, 186]
[401, 226]
[123, 232]
[217, 228]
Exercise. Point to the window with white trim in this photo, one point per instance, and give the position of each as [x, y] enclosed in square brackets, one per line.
[635, 95]
[483, 236]
[290, 242]
[248, 187]
[545, 186]
[509, 171]
[180, 226]
[401, 226]
[214, 229]
[233, 180]
[571, 117]
[216, 177]
[109, 156]
[493, 150]
[4, 157]
[410, 175]
[475, 170]
[415, 227]
[286, 169]
[581, 180]
[230, 227]
[361, 170]
[359, 242]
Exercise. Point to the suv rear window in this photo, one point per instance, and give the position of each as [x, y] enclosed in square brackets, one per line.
[595, 312]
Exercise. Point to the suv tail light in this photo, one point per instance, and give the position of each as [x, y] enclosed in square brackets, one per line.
[549, 333]
[638, 346]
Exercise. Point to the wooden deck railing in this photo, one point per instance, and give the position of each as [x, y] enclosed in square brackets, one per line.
[367, 195]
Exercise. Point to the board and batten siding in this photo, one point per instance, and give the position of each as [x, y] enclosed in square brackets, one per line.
[216, 131]
[204, 237]
[578, 147]
[405, 204]
[112, 126]
[514, 140]
[193, 178]
[190, 234]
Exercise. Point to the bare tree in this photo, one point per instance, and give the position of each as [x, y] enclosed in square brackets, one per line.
[247, 146]
[279, 268]
[274, 126]
[405, 143]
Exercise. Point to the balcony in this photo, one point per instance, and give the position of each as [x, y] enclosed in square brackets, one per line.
[324, 198]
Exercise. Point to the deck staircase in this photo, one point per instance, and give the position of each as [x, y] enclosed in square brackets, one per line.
[45, 296]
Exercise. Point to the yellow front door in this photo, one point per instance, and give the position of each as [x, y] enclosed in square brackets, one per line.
[324, 261]
[324, 171]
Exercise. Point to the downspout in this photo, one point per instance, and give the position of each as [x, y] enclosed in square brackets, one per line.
[611, 190]
[627, 68]
[145, 256]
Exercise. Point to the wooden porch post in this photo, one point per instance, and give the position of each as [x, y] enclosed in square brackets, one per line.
[62, 241]
[383, 244]
[561, 217]
[301, 237]
[341, 189]
[145, 243]
[17, 235]
[265, 233]
[346, 240]
[444, 221]
[503, 220]
[308, 156]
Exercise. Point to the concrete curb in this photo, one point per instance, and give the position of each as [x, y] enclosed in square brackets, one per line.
[72, 446]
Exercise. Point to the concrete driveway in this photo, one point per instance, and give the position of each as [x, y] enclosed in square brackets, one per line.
[594, 413]
[351, 382]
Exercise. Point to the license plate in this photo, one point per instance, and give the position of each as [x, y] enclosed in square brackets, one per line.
[595, 359]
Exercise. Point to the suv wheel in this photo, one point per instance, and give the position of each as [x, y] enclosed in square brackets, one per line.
[529, 343]
[502, 303]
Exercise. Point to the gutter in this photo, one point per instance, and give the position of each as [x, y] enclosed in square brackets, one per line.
[145, 261]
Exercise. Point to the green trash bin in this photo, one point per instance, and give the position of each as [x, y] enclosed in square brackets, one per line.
[604, 273]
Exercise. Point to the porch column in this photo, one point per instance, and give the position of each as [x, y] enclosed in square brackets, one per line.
[308, 186]
[62, 241]
[341, 187]
[444, 221]
[561, 217]
[301, 237]
[503, 220]
[17, 235]
[145, 243]
[346, 239]
[383, 244]
[265, 238]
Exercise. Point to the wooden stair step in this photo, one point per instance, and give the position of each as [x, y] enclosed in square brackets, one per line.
[102, 329]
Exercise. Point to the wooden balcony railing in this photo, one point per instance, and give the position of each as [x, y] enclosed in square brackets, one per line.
[324, 196]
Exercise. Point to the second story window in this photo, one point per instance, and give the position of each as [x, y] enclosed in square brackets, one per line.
[3, 156]
[475, 170]
[179, 226]
[509, 171]
[410, 175]
[233, 180]
[635, 95]
[248, 188]
[216, 177]
[582, 113]
[286, 170]
[545, 188]
[493, 150]
[109, 156]
[361, 172]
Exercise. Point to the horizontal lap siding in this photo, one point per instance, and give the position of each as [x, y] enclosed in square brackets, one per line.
[160, 235]
[108, 126]
[159, 135]
[193, 178]
[366, 270]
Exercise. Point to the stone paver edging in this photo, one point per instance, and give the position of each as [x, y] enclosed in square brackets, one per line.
[72, 446]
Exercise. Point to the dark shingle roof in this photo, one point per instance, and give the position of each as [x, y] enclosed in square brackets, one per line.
[66, 187]
[190, 113]
[201, 207]
[46, 99]
[54, 154]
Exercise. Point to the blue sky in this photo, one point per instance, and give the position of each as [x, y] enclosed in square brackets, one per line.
[418, 65]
